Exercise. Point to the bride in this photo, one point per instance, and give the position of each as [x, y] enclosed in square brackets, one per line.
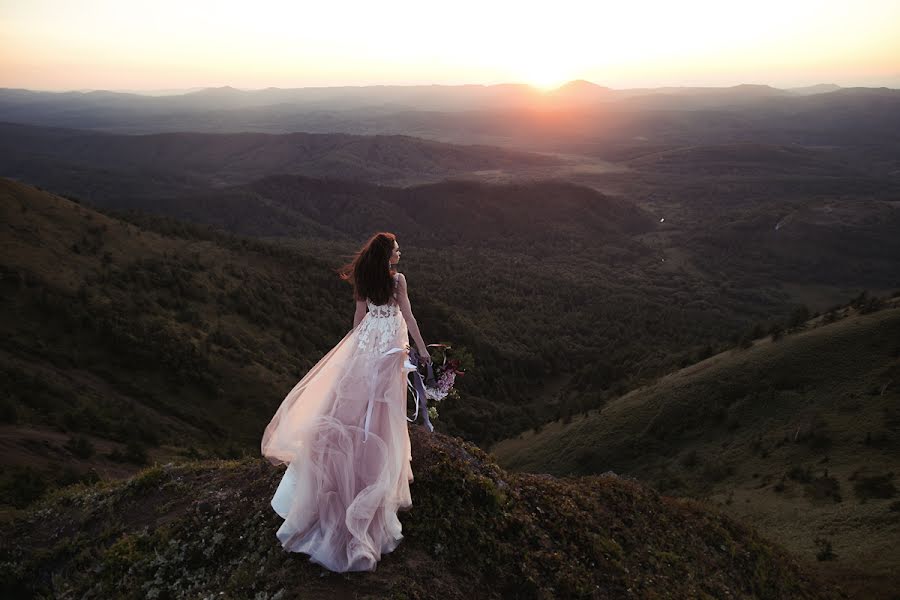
[342, 428]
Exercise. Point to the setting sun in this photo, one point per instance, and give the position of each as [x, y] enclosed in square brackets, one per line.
[545, 81]
[545, 76]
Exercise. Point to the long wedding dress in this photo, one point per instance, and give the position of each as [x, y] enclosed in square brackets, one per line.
[343, 432]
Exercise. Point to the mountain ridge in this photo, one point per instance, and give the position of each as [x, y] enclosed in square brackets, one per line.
[414, 110]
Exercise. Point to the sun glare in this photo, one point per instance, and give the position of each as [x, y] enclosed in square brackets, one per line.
[545, 72]
[545, 82]
[57, 44]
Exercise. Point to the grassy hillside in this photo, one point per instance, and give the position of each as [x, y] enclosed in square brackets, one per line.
[799, 437]
[120, 342]
[200, 528]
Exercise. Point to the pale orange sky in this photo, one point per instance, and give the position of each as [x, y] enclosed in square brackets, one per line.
[169, 44]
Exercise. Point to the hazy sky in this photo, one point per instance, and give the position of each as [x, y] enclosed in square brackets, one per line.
[177, 44]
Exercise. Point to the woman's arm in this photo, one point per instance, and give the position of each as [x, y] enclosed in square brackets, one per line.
[360, 312]
[406, 309]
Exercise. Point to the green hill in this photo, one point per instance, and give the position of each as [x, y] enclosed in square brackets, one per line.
[201, 528]
[798, 437]
[120, 343]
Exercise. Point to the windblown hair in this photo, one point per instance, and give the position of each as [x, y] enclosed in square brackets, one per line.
[369, 272]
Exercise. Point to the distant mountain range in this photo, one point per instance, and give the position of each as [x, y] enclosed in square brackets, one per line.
[423, 97]
[467, 114]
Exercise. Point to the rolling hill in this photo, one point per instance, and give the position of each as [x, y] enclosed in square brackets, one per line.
[121, 343]
[201, 160]
[799, 437]
[195, 528]
[460, 212]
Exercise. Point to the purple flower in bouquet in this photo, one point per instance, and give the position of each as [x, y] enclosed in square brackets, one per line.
[445, 373]
[442, 387]
[437, 383]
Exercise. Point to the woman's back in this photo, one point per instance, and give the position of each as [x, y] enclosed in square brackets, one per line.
[383, 326]
[343, 432]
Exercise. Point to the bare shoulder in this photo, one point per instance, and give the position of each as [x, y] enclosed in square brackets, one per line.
[401, 279]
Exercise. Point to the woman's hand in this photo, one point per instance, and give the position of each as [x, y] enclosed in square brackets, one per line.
[424, 357]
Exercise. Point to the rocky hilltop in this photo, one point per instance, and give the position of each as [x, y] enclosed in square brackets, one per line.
[205, 528]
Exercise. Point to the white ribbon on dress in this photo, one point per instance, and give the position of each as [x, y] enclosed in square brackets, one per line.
[371, 404]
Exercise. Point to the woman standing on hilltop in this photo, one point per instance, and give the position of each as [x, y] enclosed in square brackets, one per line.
[342, 429]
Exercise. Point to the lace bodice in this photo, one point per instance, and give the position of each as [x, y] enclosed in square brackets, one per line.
[388, 310]
[380, 328]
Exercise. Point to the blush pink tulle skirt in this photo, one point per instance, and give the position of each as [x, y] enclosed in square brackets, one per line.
[342, 431]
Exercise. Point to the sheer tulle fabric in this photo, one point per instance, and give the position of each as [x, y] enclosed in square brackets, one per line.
[342, 489]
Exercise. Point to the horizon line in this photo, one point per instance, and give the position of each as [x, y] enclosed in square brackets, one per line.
[186, 90]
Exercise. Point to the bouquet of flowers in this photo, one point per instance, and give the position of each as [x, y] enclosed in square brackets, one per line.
[438, 381]
[443, 374]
